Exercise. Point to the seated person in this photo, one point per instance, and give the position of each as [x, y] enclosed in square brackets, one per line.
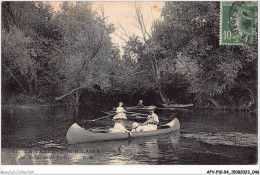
[169, 102]
[119, 125]
[152, 118]
[140, 104]
[119, 121]
[149, 125]
[120, 111]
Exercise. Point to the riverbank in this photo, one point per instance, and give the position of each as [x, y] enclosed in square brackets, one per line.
[26, 101]
[99, 101]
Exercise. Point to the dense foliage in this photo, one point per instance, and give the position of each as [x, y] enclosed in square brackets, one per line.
[48, 54]
[183, 59]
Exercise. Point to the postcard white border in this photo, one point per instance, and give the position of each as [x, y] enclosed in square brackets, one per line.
[125, 169]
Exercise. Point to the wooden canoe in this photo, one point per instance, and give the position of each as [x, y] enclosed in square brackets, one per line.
[77, 134]
[177, 105]
[136, 108]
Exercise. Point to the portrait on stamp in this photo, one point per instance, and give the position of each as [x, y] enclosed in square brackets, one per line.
[129, 83]
[238, 22]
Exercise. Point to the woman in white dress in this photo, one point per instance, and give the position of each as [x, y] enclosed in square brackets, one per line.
[119, 120]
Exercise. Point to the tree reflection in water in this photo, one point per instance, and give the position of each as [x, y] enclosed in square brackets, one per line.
[207, 137]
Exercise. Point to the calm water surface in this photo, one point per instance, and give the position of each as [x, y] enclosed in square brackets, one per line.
[38, 136]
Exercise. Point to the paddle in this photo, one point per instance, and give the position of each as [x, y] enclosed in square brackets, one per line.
[109, 112]
[136, 113]
[101, 117]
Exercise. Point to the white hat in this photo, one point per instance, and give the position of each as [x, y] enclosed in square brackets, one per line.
[120, 116]
[135, 125]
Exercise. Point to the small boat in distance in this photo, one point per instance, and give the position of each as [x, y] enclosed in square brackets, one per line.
[142, 108]
[77, 134]
[177, 105]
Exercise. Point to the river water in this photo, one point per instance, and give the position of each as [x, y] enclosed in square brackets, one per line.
[207, 137]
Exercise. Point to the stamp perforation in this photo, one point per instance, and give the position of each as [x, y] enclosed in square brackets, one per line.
[234, 20]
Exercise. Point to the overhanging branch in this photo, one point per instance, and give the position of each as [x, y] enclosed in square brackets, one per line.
[71, 92]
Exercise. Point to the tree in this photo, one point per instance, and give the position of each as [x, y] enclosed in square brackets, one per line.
[48, 53]
[17, 64]
[88, 51]
[189, 36]
[26, 45]
[147, 55]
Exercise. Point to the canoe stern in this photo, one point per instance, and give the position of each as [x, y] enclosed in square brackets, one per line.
[174, 124]
[75, 133]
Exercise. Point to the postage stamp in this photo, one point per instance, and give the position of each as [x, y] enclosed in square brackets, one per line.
[238, 23]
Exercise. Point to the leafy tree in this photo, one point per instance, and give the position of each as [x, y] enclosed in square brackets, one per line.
[189, 36]
[31, 42]
[49, 53]
[148, 69]
[88, 52]
[18, 67]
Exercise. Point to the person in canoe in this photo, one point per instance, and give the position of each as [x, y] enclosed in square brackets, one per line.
[152, 118]
[149, 125]
[120, 111]
[140, 104]
[119, 125]
[119, 120]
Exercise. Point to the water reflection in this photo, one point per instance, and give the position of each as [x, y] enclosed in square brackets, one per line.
[134, 151]
[115, 152]
[206, 137]
[20, 154]
[224, 138]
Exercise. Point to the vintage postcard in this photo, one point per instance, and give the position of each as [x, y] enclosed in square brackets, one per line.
[129, 83]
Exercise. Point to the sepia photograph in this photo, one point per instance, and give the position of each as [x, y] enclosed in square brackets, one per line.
[129, 83]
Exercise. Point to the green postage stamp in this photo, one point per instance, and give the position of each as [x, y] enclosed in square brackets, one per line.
[238, 23]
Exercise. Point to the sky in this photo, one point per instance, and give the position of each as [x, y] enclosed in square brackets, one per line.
[122, 12]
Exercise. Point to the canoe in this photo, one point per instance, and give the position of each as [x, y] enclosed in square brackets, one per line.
[137, 109]
[77, 134]
[177, 105]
